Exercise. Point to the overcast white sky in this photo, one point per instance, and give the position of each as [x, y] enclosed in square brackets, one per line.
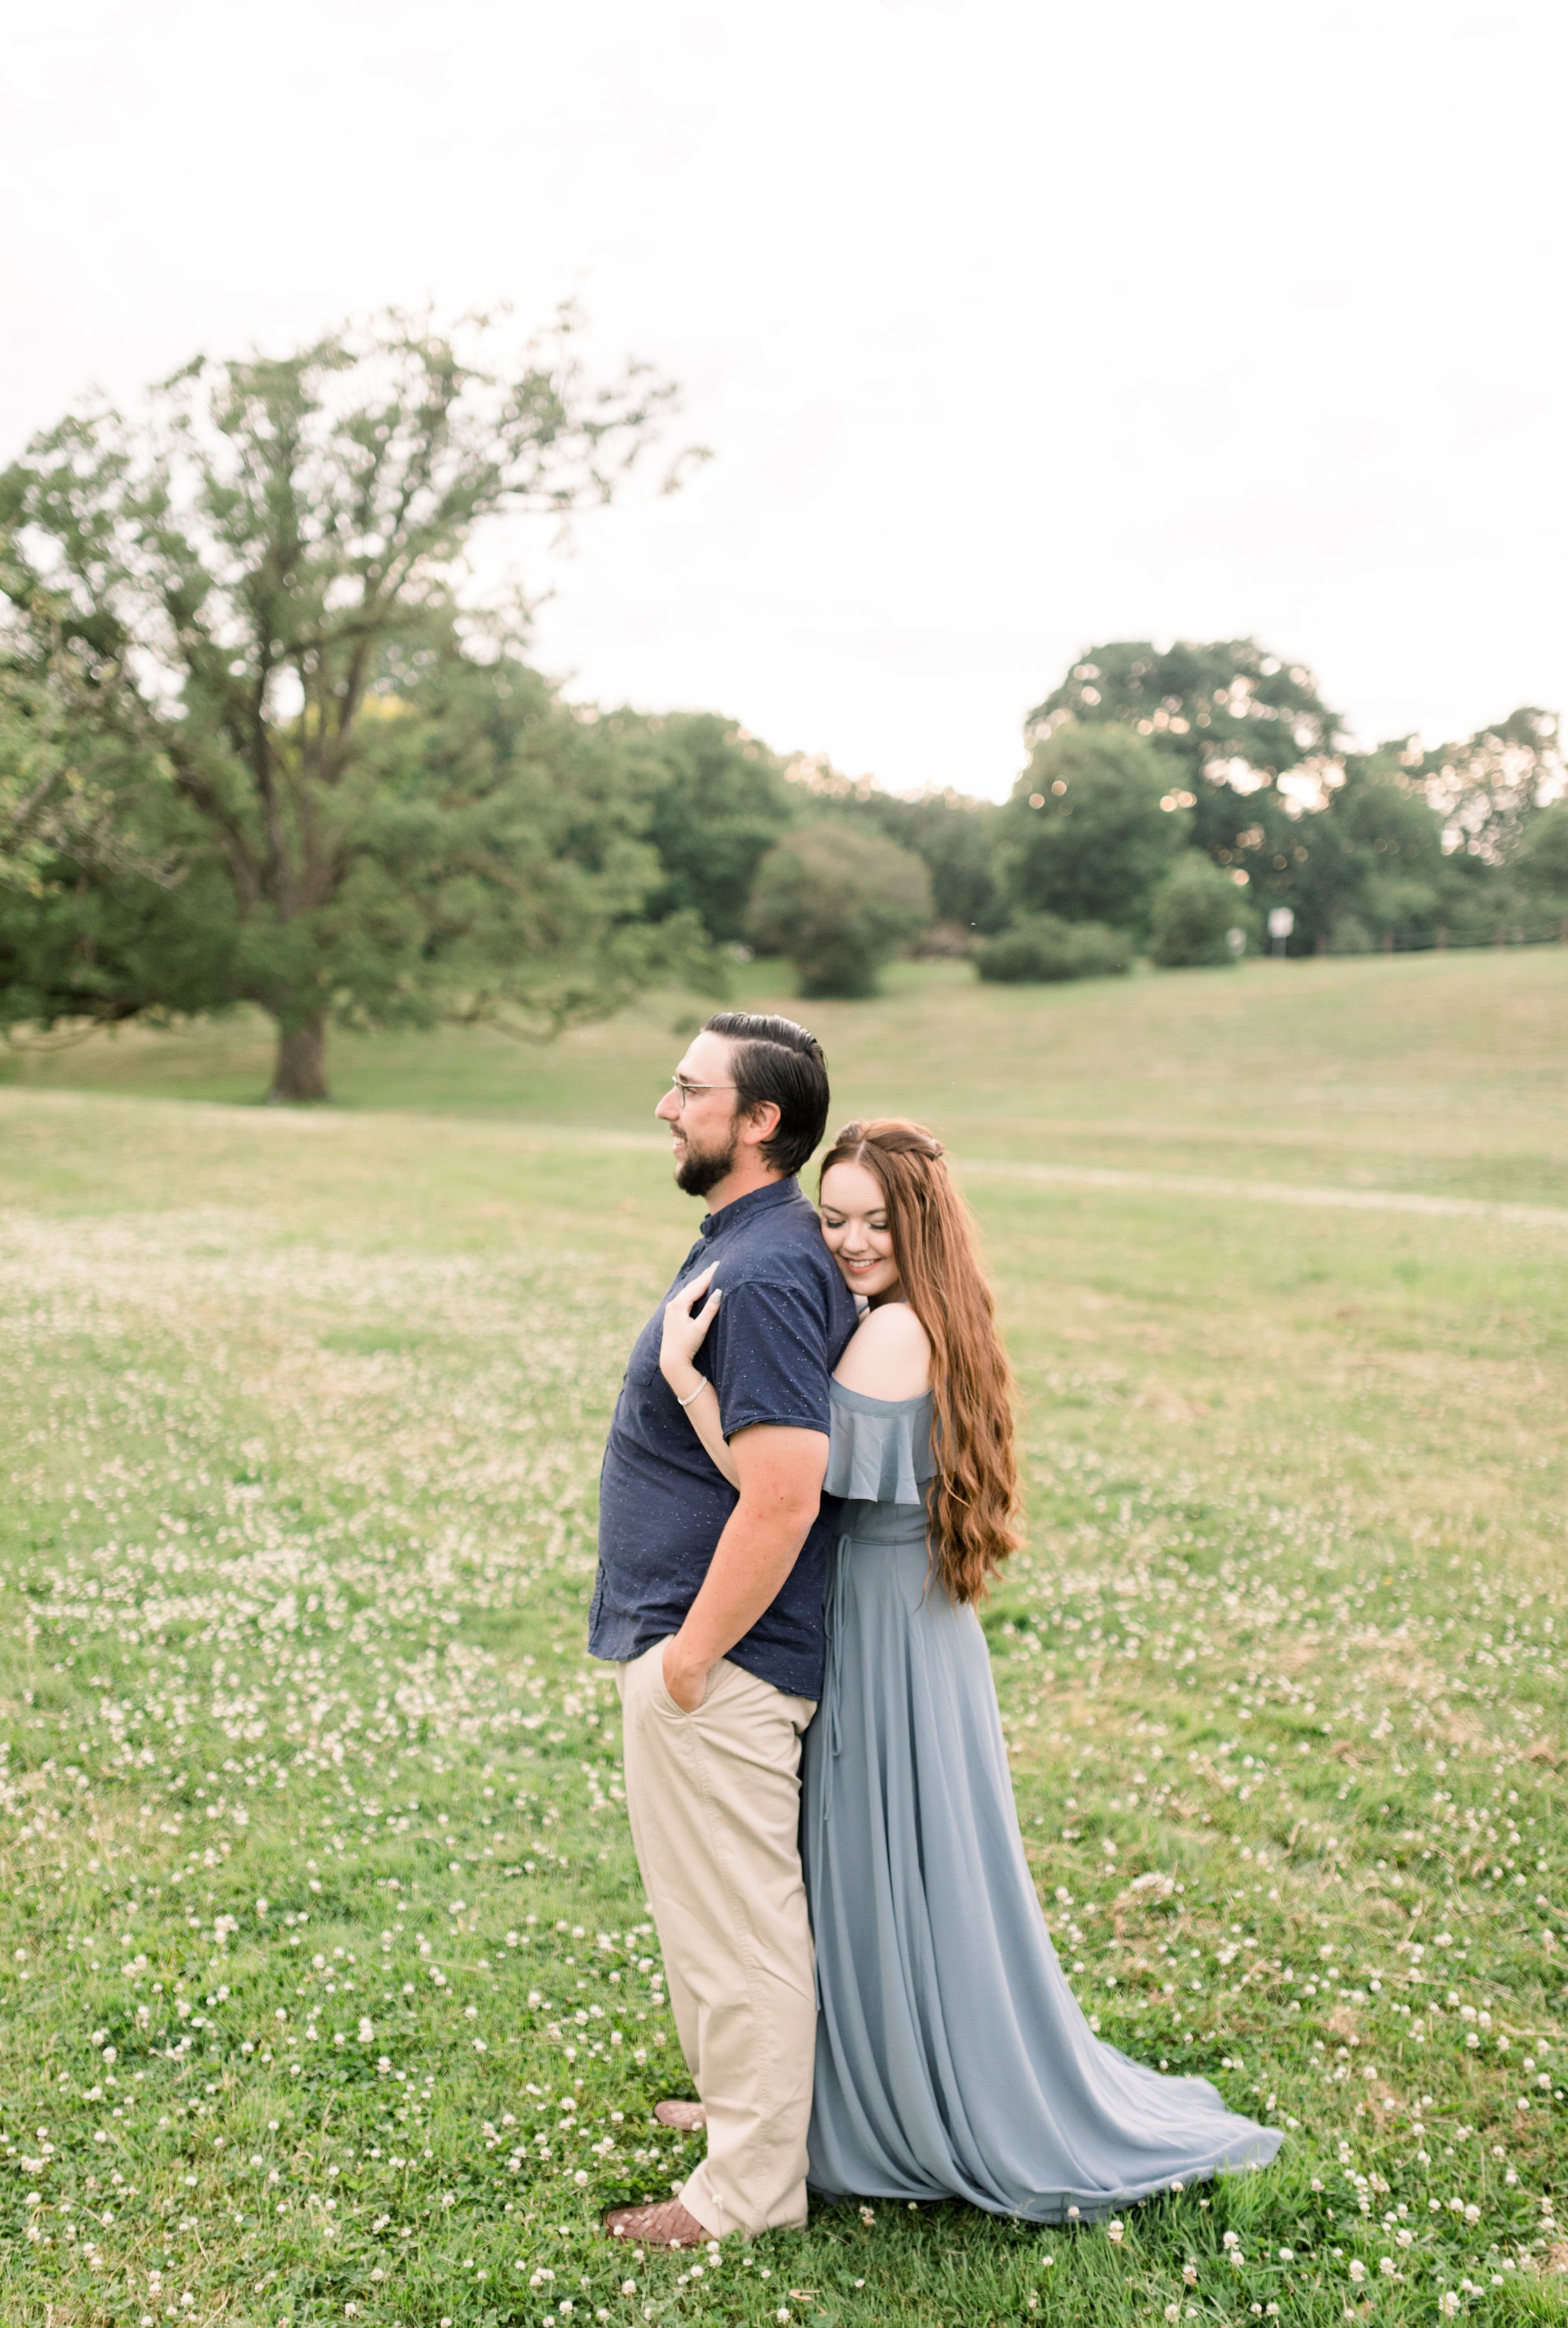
[1013, 324]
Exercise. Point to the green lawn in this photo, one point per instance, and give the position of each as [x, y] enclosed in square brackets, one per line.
[1439, 1072]
[330, 1991]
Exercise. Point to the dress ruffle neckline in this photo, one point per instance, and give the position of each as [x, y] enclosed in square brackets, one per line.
[880, 1448]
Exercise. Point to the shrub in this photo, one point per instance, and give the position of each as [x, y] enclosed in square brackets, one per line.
[1392, 904]
[1195, 907]
[1349, 935]
[1043, 949]
[717, 801]
[836, 902]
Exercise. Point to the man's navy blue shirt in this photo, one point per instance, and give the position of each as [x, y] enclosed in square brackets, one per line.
[781, 1328]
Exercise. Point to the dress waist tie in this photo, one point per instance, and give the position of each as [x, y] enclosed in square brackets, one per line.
[834, 1614]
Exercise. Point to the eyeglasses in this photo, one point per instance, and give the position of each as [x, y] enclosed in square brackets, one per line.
[685, 1090]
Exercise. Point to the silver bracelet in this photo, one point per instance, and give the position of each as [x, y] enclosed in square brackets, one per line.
[695, 1395]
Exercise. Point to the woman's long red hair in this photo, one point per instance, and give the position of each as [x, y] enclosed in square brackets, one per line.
[937, 1253]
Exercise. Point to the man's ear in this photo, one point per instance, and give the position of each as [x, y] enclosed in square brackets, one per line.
[760, 1123]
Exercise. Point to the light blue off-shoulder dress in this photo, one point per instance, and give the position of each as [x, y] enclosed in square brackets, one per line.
[952, 2058]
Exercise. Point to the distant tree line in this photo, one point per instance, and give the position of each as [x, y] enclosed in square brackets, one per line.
[1250, 770]
[256, 748]
[1170, 801]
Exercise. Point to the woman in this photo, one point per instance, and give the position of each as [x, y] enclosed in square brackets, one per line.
[952, 2058]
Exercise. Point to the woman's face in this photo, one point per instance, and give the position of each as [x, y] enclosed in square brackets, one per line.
[855, 1225]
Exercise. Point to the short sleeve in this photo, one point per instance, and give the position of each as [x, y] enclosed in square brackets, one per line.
[768, 1357]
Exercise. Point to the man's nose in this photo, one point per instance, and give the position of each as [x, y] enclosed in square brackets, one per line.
[668, 1109]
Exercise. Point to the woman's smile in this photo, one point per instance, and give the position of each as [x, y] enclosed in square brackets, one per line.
[856, 1231]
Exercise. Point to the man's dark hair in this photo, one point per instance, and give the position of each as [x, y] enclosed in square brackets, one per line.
[774, 1059]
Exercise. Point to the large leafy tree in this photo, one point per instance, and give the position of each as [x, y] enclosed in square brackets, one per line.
[1245, 737]
[1392, 839]
[243, 604]
[1309, 863]
[500, 873]
[717, 801]
[90, 929]
[1488, 789]
[1227, 710]
[1541, 865]
[1091, 827]
[1373, 849]
[57, 789]
[38, 791]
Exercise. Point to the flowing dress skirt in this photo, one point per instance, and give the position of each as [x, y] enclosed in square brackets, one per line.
[952, 2058]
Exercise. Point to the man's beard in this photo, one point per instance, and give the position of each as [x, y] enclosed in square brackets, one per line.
[701, 1170]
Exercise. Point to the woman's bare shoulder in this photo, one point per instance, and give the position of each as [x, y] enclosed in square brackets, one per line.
[888, 1355]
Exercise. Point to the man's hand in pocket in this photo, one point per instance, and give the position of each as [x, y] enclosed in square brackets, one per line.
[687, 1683]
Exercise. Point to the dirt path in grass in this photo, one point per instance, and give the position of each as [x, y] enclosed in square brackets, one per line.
[324, 1125]
[1269, 1192]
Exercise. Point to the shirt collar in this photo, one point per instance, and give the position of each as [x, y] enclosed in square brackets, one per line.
[746, 1207]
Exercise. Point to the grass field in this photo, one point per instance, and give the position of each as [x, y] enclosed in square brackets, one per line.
[1441, 1072]
[329, 1990]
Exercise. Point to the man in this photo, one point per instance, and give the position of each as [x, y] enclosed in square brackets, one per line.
[711, 1604]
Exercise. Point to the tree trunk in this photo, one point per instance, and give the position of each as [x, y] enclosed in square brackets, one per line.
[300, 1071]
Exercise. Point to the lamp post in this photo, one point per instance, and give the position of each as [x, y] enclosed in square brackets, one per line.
[1281, 922]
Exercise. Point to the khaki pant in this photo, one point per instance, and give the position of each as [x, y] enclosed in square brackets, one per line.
[714, 1801]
